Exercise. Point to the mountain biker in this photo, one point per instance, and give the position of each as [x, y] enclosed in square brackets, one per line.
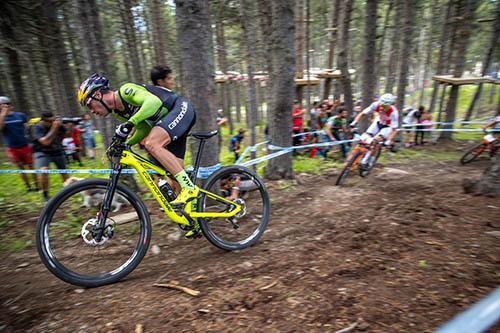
[159, 116]
[495, 122]
[385, 127]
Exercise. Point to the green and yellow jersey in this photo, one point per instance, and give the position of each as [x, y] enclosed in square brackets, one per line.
[144, 105]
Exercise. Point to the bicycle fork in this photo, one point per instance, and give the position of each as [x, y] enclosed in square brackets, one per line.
[102, 215]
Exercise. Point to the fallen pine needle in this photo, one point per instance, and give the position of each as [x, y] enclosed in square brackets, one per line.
[348, 329]
[187, 290]
[269, 285]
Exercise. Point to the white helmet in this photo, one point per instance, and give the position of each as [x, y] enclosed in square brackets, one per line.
[386, 99]
[4, 100]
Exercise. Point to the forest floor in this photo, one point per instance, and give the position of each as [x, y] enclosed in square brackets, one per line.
[402, 250]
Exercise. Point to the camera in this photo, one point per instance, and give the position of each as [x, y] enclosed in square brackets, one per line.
[74, 120]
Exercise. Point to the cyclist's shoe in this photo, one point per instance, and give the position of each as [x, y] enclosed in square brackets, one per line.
[186, 195]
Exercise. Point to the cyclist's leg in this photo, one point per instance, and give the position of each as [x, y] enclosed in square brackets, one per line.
[171, 130]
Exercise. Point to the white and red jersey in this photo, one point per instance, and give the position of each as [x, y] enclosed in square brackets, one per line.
[389, 117]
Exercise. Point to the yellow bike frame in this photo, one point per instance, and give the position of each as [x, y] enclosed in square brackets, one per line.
[141, 165]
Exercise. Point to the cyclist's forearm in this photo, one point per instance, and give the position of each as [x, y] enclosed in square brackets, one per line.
[140, 133]
[358, 117]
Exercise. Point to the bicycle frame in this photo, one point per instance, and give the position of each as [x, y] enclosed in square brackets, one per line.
[359, 147]
[140, 164]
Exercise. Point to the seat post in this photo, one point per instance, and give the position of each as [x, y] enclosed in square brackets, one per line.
[197, 161]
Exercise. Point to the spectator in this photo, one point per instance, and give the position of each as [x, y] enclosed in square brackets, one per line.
[426, 121]
[87, 134]
[297, 114]
[357, 109]
[221, 120]
[235, 143]
[12, 126]
[419, 127]
[71, 148]
[410, 118]
[48, 134]
[314, 113]
[336, 128]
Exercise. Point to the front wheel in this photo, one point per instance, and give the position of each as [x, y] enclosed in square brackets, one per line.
[347, 168]
[473, 153]
[244, 187]
[66, 229]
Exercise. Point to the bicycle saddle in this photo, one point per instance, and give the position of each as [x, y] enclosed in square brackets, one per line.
[204, 134]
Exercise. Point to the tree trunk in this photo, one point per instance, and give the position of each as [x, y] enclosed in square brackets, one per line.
[58, 53]
[331, 48]
[8, 31]
[442, 53]
[130, 39]
[193, 34]
[369, 79]
[465, 15]
[487, 61]
[395, 47]
[429, 48]
[345, 79]
[282, 53]
[265, 16]
[249, 43]
[92, 40]
[299, 47]
[70, 35]
[380, 46]
[49, 67]
[222, 57]
[409, 22]
[237, 100]
[158, 32]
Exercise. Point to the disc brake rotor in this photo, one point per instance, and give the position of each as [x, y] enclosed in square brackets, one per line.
[243, 210]
[88, 230]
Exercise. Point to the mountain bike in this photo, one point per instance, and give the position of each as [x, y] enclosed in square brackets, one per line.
[96, 231]
[488, 143]
[358, 158]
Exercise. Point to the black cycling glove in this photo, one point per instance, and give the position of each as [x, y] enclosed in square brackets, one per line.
[123, 130]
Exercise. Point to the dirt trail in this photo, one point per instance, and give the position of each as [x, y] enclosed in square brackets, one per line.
[400, 251]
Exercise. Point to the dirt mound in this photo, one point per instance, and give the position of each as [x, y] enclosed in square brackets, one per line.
[402, 250]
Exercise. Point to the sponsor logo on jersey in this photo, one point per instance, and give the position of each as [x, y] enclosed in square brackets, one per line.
[128, 91]
[184, 108]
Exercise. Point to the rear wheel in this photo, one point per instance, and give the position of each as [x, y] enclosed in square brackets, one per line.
[244, 187]
[347, 168]
[473, 153]
[66, 228]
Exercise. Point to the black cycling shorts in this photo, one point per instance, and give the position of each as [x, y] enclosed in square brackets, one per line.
[178, 122]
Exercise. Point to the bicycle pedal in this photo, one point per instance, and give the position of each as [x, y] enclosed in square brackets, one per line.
[192, 234]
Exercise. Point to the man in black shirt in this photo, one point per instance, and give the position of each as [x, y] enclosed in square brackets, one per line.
[47, 136]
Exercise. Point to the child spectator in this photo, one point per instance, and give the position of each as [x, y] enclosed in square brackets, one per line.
[410, 118]
[71, 149]
[235, 143]
[297, 114]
